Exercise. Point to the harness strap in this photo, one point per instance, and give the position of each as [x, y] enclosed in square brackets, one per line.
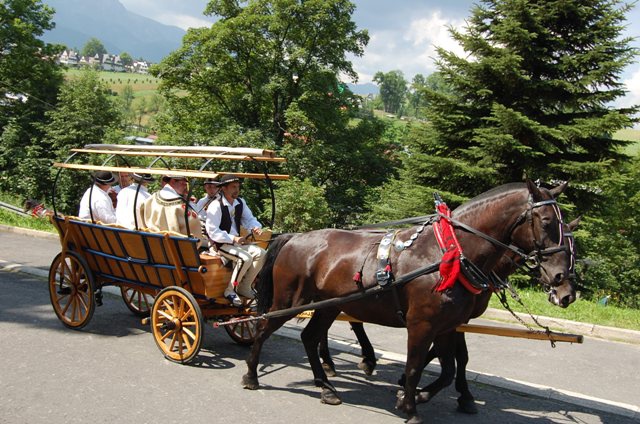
[490, 239]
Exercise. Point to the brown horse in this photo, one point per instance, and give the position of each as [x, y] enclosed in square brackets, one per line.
[319, 265]
[450, 348]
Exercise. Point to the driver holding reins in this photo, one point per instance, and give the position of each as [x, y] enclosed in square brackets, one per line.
[225, 215]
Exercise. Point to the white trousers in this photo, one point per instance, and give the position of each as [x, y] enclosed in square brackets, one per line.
[249, 260]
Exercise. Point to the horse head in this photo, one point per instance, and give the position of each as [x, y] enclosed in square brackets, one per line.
[541, 232]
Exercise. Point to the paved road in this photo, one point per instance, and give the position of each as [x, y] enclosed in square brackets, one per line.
[598, 374]
[113, 372]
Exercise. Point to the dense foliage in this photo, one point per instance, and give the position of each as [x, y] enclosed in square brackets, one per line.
[532, 98]
[270, 69]
[29, 83]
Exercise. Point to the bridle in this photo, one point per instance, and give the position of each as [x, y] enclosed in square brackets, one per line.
[533, 261]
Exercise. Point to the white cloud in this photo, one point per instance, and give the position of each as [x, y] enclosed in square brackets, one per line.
[410, 48]
[632, 85]
[182, 21]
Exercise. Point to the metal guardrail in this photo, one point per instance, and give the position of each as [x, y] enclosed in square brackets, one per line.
[13, 209]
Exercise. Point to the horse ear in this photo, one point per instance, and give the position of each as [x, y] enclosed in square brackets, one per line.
[558, 190]
[574, 224]
[534, 190]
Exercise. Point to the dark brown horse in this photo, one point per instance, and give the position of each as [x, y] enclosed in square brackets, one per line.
[450, 348]
[319, 265]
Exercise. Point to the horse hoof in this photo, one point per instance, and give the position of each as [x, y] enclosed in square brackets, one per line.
[400, 401]
[414, 420]
[249, 382]
[329, 397]
[329, 370]
[367, 367]
[467, 406]
[423, 397]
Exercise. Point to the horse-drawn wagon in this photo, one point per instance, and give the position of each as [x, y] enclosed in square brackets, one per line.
[161, 275]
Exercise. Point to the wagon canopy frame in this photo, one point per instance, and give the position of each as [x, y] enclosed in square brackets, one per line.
[162, 153]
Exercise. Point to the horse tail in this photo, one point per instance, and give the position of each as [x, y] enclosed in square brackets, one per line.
[264, 285]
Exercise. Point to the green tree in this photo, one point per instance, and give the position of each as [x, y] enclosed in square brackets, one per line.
[126, 59]
[253, 62]
[29, 82]
[269, 69]
[86, 114]
[393, 90]
[93, 47]
[301, 206]
[127, 97]
[533, 97]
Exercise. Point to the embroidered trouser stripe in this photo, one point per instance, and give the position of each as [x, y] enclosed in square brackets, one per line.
[252, 258]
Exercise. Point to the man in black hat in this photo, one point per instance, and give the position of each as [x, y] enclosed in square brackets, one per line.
[224, 218]
[96, 204]
[130, 198]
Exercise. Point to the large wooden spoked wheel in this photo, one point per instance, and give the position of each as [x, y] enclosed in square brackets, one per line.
[176, 322]
[138, 302]
[71, 289]
[242, 332]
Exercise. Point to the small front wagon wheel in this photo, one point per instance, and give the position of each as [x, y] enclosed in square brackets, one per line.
[176, 322]
[242, 332]
[138, 302]
[71, 290]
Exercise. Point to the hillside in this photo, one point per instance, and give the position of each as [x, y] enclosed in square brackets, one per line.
[117, 28]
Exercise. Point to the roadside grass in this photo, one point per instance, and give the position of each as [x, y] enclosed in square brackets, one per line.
[630, 135]
[581, 310]
[14, 220]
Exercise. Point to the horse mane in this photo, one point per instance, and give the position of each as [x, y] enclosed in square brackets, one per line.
[265, 278]
[490, 195]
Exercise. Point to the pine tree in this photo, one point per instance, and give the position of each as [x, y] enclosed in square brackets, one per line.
[533, 98]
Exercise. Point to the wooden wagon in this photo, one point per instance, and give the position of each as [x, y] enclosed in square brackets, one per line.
[161, 275]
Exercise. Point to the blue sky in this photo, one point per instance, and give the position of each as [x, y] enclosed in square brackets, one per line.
[403, 33]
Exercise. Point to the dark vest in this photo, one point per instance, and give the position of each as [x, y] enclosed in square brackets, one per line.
[225, 220]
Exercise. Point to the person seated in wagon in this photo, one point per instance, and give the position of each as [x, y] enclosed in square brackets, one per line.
[96, 204]
[130, 200]
[164, 210]
[225, 215]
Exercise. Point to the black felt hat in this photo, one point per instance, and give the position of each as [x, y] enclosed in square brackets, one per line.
[228, 179]
[143, 177]
[211, 181]
[104, 177]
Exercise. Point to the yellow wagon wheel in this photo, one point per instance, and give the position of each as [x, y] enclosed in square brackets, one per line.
[71, 289]
[242, 332]
[176, 320]
[137, 301]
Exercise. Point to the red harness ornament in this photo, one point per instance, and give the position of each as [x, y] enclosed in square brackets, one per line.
[450, 262]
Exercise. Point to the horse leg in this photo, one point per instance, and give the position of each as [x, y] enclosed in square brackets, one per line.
[368, 363]
[265, 329]
[312, 335]
[444, 347]
[466, 402]
[417, 341]
[327, 363]
[431, 355]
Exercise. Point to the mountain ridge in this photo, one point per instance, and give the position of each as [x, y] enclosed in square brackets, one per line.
[118, 29]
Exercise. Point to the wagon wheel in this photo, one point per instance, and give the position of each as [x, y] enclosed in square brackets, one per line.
[243, 333]
[176, 320]
[137, 301]
[71, 289]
